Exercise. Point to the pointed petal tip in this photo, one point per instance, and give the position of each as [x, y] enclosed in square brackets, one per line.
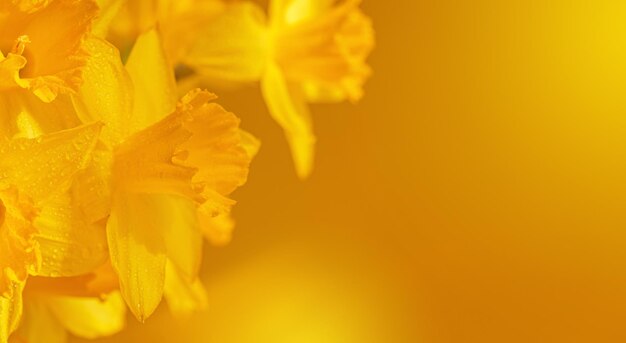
[140, 312]
[250, 143]
[303, 163]
[304, 172]
[302, 148]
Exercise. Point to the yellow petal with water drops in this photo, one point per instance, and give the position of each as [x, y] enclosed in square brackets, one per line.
[69, 244]
[39, 325]
[217, 229]
[52, 48]
[92, 186]
[232, 47]
[183, 297]
[137, 252]
[10, 312]
[90, 318]
[45, 165]
[153, 79]
[287, 106]
[107, 92]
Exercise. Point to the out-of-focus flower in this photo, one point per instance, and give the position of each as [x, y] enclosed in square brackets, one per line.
[318, 51]
[308, 52]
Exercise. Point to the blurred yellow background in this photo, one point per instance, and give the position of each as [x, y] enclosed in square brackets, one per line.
[476, 194]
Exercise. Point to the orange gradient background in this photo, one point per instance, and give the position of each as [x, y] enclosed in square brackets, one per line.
[476, 194]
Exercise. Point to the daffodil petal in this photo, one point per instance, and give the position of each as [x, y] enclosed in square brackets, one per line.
[69, 244]
[45, 165]
[10, 312]
[19, 252]
[102, 280]
[327, 50]
[137, 252]
[216, 147]
[90, 318]
[289, 12]
[250, 143]
[184, 297]
[181, 231]
[153, 79]
[196, 152]
[217, 230]
[27, 6]
[107, 92]
[37, 170]
[317, 93]
[26, 116]
[138, 17]
[108, 10]
[232, 48]
[92, 186]
[181, 23]
[39, 324]
[286, 105]
[10, 70]
[174, 218]
[144, 162]
[301, 10]
[277, 10]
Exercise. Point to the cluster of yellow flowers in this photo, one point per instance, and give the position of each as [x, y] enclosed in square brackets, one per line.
[114, 166]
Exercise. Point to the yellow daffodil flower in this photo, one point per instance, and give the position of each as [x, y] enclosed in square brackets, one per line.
[41, 50]
[172, 166]
[308, 52]
[32, 171]
[318, 53]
